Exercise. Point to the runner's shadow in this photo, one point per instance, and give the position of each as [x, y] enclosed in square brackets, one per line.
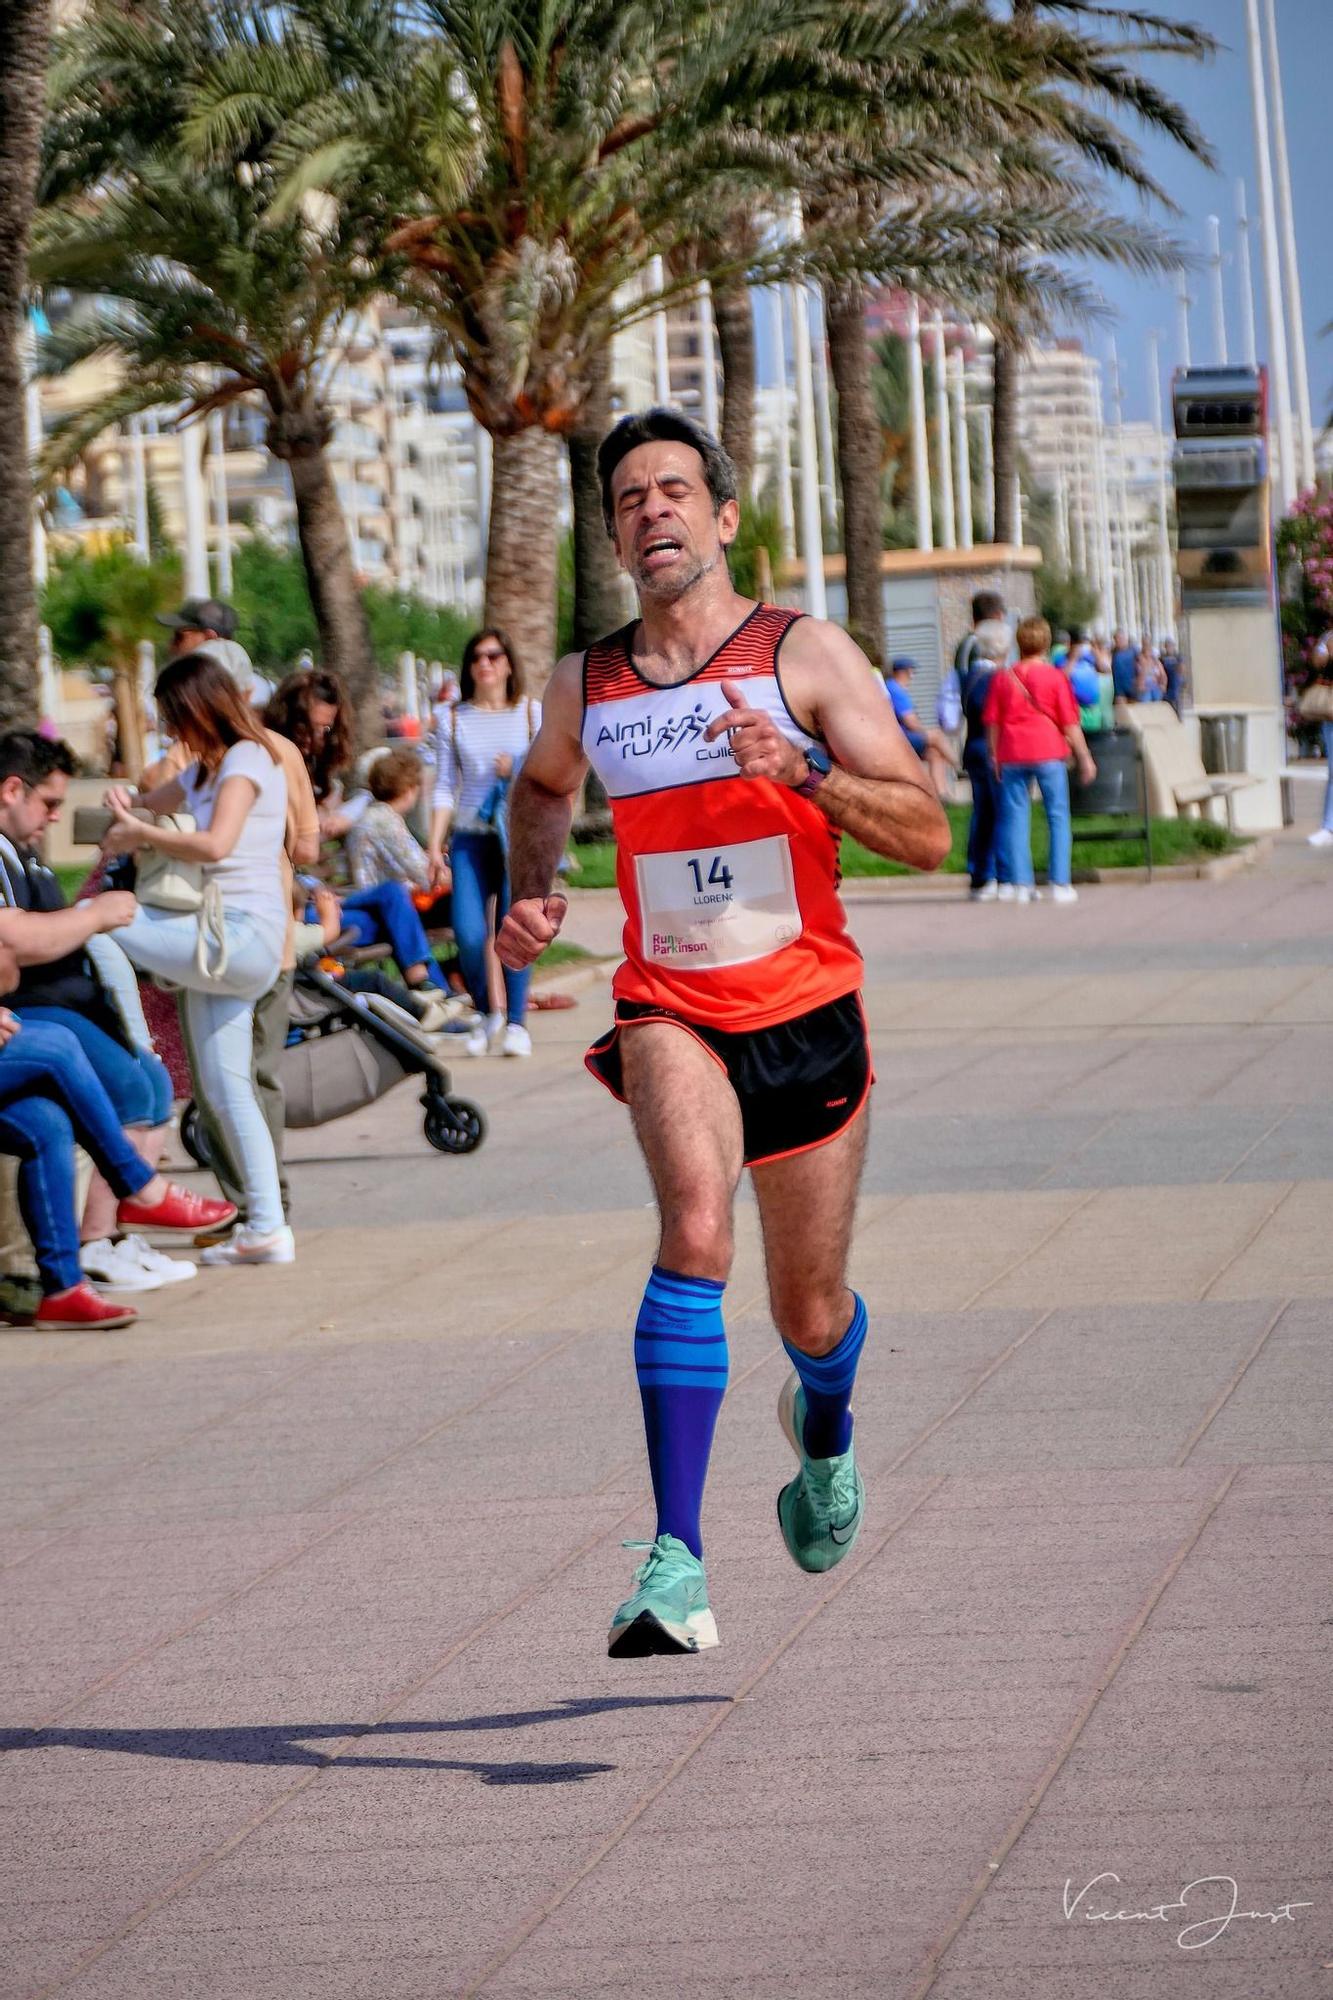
[291, 1742]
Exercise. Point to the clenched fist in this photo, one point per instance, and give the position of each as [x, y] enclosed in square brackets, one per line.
[531, 925]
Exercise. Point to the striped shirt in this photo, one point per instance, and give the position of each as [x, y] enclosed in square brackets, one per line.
[467, 742]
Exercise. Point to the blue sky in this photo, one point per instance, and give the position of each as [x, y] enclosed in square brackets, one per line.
[1217, 94]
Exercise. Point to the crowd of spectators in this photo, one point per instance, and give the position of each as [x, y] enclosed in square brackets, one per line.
[254, 844]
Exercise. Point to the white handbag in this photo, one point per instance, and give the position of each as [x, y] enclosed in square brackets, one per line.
[162, 882]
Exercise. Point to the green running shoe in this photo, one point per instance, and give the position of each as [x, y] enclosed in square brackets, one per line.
[820, 1512]
[668, 1612]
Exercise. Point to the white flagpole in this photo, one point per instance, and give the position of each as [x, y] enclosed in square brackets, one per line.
[786, 516]
[1286, 469]
[1166, 577]
[193, 509]
[948, 523]
[812, 531]
[1219, 294]
[217, 452]
[916, 377]
[823, 409]
[1291, 266]
[706, 343]
[1183, 304]
[962, 445]
[661, 355]
[134, 445]
[1249, 339]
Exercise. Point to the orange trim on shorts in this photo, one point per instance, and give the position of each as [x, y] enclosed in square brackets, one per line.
[617, 1029]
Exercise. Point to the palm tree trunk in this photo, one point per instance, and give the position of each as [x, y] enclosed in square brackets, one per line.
[734, 321]
[858, 463]
[25, 28]
[521, 550]
[335, 598]
[599, 597]
[1004, 435]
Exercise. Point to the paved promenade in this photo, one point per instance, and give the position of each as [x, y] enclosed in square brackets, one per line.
[306, 1577]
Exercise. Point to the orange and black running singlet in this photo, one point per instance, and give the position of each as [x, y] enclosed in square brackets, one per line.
[730, 884]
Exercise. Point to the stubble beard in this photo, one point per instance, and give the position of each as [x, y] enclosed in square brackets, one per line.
[671, 585]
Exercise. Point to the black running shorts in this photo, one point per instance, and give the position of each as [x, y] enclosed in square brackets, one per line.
[798, 1084]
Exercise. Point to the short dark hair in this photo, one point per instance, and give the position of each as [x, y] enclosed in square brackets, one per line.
[987, 604]
[659, 426]
[27, 754]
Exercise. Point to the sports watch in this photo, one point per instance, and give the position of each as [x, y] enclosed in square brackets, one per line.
[818, 765]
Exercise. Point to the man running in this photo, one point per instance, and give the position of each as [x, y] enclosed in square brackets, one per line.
[735, 740]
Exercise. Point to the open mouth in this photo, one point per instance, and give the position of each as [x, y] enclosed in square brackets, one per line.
[660, 551]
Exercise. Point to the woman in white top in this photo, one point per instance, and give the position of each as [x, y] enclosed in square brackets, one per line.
[229, 953]
[479, 745]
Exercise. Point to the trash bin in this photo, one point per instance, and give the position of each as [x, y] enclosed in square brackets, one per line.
[1222, 744]
[1115, 789]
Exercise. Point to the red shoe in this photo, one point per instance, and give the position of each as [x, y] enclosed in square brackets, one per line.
[81, 1310]
[178, 1209]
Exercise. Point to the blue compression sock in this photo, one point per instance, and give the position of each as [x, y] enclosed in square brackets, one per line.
[680, 1357]
[827, 1381]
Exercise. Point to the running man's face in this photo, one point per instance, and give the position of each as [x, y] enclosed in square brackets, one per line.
[666, 533]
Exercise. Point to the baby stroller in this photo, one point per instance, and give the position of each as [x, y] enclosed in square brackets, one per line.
[344, 1050]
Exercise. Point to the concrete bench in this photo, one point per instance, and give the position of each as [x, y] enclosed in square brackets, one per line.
[1178, 785]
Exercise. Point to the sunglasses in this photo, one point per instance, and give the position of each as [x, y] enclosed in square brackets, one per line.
[499, 655]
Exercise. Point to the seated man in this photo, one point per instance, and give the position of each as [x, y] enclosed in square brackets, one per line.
[61, 986]
[932, 746]
[49, 1098]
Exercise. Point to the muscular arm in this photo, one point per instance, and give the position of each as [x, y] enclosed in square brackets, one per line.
[877, 791]
[541, 811]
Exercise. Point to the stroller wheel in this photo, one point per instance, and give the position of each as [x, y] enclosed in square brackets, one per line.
[455, 1125]
[192, 1135]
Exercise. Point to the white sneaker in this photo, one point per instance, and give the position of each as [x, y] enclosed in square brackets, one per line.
[1321, 838]
[170, 1270]
[516, 1040]
[245, 1246]
[477, 1040]
[115, 1268]
[495, 1033]
[1024, 894]
[1005, 892]
[987, 893]
[1063, 892]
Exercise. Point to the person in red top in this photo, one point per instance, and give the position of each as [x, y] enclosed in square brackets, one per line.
[736, 741]
[1032, 727]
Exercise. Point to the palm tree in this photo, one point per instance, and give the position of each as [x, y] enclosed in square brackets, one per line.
[596, 132]
[1094, 69]
[24, 38]
[202, 294]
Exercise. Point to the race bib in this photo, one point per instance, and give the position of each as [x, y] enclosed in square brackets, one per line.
[713, 906]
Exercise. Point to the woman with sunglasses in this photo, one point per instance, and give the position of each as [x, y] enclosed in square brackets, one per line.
[479, 745]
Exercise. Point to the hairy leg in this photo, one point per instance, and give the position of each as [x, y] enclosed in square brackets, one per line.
[807, 1206]
[688, 1124]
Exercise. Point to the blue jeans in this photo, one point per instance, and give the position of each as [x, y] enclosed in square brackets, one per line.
[221, 1024]
[49, 1097]
[1326, 731]
[1016, 820]
[387, 911]
[136, 1081]
[985, 863]
[478, 864]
